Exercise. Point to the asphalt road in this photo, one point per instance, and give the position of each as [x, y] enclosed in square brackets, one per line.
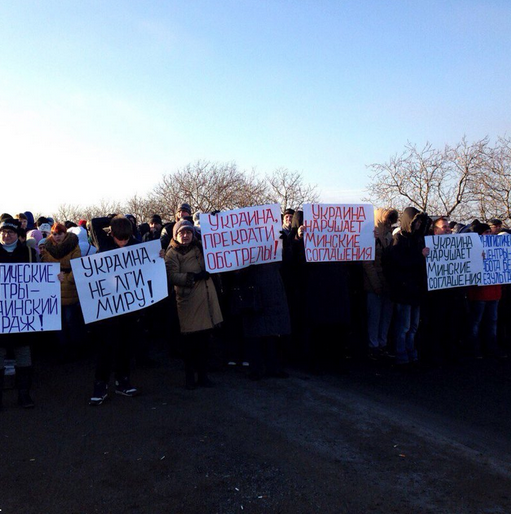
[369, 441]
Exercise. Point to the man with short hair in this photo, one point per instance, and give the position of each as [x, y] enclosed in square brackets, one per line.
[441, 226]
[287, 219]
[442, 333]
[495, 226]
[155, 227]
[183, 211]
[115, 336]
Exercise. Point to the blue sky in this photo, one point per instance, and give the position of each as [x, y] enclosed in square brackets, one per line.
[100, 99]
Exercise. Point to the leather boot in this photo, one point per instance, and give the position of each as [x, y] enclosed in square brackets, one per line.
[23, 384]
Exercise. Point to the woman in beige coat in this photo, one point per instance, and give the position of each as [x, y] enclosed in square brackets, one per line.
[197, 302]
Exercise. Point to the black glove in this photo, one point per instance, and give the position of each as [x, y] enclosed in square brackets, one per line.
[203, 275]
[214, 213]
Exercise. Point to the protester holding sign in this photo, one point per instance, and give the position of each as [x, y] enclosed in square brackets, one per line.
[444, 333]
[12, 251]
[115, 336]
[484, 304]
[61, 247]
[197, 302]
[322, 290]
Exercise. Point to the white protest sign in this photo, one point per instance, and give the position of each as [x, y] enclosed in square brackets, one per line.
[29, 297]
[242, 237]
[119, 281]
[335, 232]
[497, 259]
[454, 261]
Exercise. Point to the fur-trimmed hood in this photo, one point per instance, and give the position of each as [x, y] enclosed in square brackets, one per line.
[60, 250]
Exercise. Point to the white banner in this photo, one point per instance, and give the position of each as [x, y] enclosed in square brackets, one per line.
[124, 280]
[497, 259]
[454, 261]
[236, 239]
[30, 297]
[334, 232]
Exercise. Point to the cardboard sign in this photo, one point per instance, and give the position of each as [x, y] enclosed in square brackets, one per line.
[124, 280]
[334, 232]
[497, 259]
[29, 297]
[236, 239]
[454, 261]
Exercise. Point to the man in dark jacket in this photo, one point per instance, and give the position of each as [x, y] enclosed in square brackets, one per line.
[405, 268]
[183, 211]
[115, 336]
[155, 226]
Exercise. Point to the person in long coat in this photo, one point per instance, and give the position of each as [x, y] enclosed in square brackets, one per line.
[62, 247]
[197, 302]
[265, 318]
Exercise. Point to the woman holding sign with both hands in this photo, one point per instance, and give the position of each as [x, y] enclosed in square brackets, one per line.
[197, 302]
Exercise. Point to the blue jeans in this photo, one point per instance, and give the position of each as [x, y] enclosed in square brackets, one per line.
[487, 310]
[407, 323]
[379, 316]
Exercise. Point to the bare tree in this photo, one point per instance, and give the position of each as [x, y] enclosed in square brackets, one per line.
[207, 186]
[141, 208]
[288, 189]
[438, 182]
[67, 212]
[493, 185]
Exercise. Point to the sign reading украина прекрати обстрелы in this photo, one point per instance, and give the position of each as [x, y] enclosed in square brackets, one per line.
[242, 237]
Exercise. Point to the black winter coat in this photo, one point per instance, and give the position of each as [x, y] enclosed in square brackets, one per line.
[404, 265]
[22, 253]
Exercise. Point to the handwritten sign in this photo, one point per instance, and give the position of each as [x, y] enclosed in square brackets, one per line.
[30, 297]
[497, 259]
[236, 239]
[454, 261]
[338, 232]
[124, 280]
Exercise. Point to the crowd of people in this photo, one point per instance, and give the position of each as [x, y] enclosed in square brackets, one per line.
[263, 316]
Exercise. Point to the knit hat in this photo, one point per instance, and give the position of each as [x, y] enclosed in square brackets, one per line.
[180, 226]
[185, 207]
[45, 228]
[10, 224]
[289, 211]
[156, 219]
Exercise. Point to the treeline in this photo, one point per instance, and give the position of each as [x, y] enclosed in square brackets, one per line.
[206, 186]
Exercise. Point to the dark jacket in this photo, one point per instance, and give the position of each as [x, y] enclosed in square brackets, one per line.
[270, 313]
[404, 265]
[102, 241]
[22, 253]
